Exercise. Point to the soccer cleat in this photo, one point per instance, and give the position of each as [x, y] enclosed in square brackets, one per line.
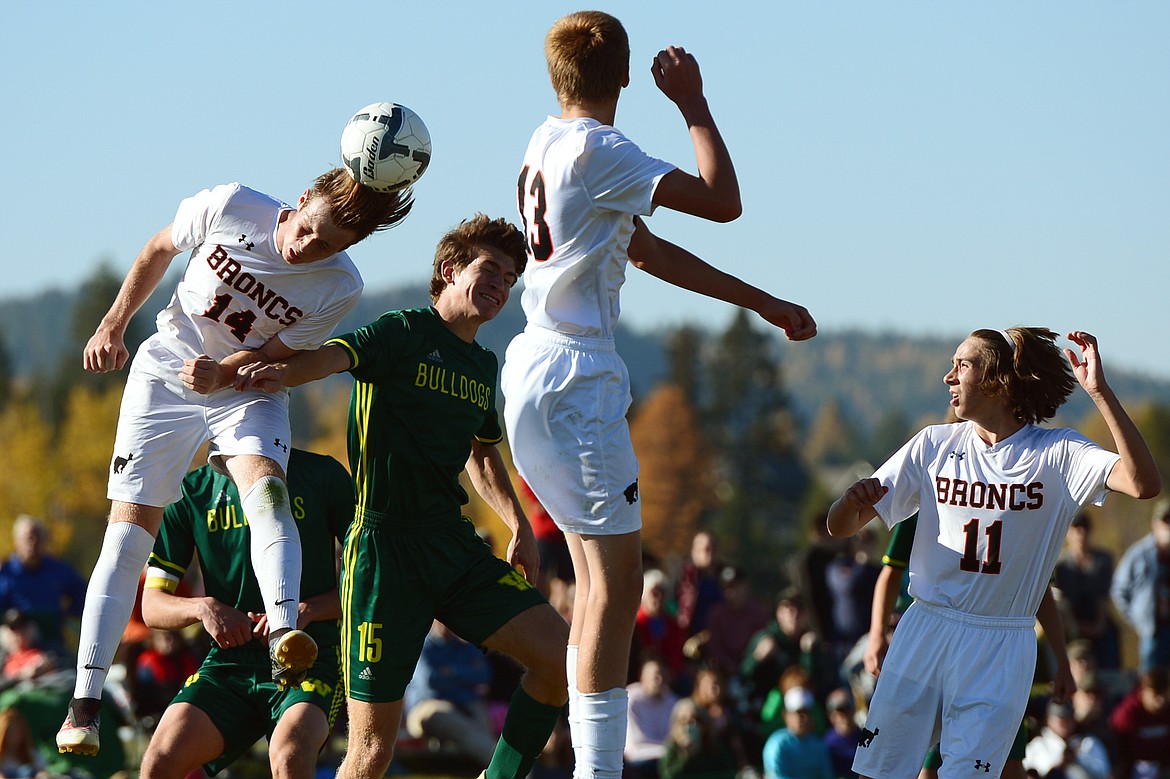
[79, 732]
[293, 654]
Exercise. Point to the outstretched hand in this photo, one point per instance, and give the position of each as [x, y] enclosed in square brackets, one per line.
[106, 351]
[227, 626]
[523, 554]
[676, 74]
[1086, 367]
[865, 494]
[795, 320]
[261, 376]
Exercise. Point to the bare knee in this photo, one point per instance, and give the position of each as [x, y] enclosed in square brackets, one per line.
[290, 759]
[367, 755]
[159, 763]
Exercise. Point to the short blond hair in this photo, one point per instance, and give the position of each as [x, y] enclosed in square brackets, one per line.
[588, 54]
[356, 207]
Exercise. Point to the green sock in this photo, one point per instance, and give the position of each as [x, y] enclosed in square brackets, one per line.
[526, 731]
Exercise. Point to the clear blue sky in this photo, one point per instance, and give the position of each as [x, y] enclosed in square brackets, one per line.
[923, 167]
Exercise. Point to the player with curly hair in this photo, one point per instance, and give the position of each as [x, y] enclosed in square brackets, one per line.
[995, 494]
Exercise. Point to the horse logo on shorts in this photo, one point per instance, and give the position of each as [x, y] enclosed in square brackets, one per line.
[120, 463]
[631, 493]
[867, 737]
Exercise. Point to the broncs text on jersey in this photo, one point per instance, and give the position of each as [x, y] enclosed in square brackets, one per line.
[273, 305]
[980, 495]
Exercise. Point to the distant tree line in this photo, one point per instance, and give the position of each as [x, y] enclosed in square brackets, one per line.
[721, 441]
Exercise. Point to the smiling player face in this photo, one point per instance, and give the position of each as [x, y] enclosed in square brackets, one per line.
[479, 290]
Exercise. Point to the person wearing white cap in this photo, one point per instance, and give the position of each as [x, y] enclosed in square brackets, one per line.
[796, 751]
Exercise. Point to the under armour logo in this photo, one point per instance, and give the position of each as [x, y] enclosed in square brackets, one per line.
[247, 244]
[276, 442]
[958, 455]
[985, 767]
[120, 463]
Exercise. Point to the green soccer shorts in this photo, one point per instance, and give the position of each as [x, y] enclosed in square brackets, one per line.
[234, 688]
[400, 575]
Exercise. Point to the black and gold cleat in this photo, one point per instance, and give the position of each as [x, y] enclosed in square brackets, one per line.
[293, 653]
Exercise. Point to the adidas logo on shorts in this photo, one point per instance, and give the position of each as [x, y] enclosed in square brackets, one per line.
[367, 674]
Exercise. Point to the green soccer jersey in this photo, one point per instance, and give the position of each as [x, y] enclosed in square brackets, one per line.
[209, 520]
[420, 396]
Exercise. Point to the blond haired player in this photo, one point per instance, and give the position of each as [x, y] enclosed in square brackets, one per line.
[995, 494]
[264, 280]
[582, 188]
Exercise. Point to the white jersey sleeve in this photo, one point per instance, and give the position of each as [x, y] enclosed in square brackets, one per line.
[196, 215]
[237, 291]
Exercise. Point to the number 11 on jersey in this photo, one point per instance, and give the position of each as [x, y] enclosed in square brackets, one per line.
[970, 560]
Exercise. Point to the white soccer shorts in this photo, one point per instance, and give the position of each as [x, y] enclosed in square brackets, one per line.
[952, 677]
[161, 426]
[565, 404]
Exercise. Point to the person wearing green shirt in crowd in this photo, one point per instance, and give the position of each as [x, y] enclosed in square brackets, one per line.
[423, 409]
[232, 701]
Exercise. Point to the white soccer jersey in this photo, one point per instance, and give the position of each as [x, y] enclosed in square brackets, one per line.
[991, 519]
[238, 291]
[581, 186]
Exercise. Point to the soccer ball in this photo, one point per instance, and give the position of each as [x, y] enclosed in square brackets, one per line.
[386, 147]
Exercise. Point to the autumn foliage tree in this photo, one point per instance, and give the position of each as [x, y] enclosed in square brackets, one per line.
[674, 481]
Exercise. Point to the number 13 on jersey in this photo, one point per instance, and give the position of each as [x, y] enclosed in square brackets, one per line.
[533, 210]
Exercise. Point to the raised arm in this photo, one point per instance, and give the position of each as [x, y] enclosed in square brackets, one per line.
[488, 474]
[106, 350]
[677, 266]
[1136, 474]
[714, 193]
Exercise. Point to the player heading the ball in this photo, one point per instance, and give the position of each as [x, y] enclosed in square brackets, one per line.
[264, 280]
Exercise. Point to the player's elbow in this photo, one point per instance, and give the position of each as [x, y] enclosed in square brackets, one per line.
[725, 210]
[1149, 490]
[1143, 485]
[151, 615]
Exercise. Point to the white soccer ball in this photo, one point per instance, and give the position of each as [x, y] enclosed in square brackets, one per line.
[386, 147]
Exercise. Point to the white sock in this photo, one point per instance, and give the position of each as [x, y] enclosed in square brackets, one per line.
[109, 600]
[276, 550]
[599, 737]
[571, 669]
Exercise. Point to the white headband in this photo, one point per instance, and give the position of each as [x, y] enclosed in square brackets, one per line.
[1010, 341]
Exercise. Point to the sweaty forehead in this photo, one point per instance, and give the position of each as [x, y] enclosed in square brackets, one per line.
[315, 216]
[968, 351]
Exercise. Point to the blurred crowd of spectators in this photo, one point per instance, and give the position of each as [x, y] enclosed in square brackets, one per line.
[723, 683]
